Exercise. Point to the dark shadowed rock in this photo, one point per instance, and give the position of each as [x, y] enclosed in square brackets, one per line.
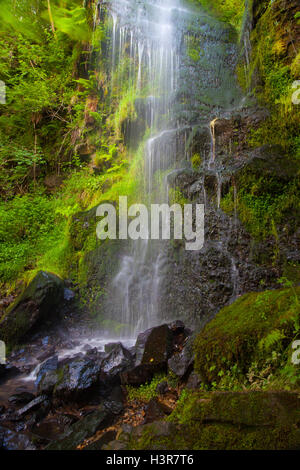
[49, 365]
[82, 430]
[154, 411]
[162, 387]
[10, 440]
[2, 370]
[194, 381]
[177, 327]
[140, 374]
[179, 363]
[21, 398]
[104, 439]
[36, 304]
[154, 346]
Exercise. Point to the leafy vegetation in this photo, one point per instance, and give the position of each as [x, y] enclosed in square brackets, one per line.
[266, 203]
[57, 99]
[147, 391]
[230, 11]
[248, 344]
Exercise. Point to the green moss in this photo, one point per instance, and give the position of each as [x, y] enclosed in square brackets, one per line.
[271, 73]
[230, 344]
[267, 196]
[230, 11]
[196, 161]
[227, 421]
[147, 391]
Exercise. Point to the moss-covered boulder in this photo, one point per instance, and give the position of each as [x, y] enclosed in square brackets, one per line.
[38, 302]
[227, 421]
[246, 331]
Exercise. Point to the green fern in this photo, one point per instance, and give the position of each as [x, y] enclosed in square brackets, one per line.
[267, 343]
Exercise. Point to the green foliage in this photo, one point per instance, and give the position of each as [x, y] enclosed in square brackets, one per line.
[38, 67]
[225, 421]
[272, 339]
[230, 11]
[271, 74]
[264, 203]
[72, 21]
[125, 110]
[176, 197]
[147, 391]
[249, 342]
[196, 161]
[194, 48]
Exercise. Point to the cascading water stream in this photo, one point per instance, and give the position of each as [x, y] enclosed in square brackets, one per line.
[147, 31]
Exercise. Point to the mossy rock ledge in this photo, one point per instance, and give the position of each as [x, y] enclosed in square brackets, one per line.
[223, 421]
[240, 333]
[38, 302]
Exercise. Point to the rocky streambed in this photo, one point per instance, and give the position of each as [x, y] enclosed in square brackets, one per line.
[69, 386]
[80, 389]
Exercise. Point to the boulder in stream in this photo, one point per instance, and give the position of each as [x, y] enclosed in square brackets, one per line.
[153, 348]
[71, 379]
[38, 303]
[118, 360]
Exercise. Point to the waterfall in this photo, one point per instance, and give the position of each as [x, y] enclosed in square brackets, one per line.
[213, 142]
[145, 34]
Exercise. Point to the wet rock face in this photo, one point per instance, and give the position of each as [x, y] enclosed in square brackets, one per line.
[195, 285]
[41, 403]
[152, 350]
[77, 376]
[181, 362]
[71, 380]
[154, 346]
[39, 302]
[118, 359]
[50, 365]
[208, 60]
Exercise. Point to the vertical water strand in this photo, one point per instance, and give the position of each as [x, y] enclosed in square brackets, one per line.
[213, 142]
[140, 53]
[115, 20]
[219, 189]
[153, 70]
